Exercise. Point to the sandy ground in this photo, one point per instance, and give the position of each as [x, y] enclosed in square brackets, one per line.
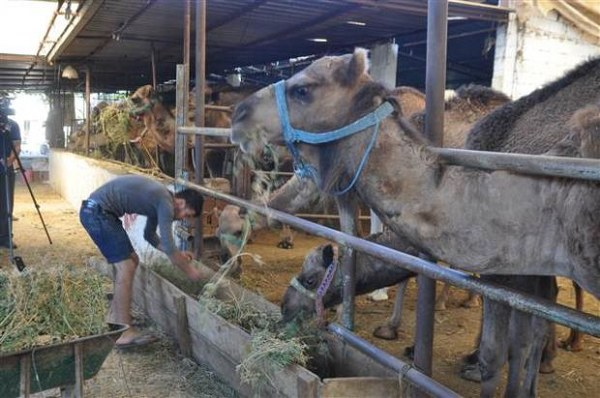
[455, 329]
[158, 371]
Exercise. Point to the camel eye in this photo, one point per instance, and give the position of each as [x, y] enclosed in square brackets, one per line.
[299, 92]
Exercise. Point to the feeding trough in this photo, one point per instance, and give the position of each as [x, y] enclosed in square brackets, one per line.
[64, 365]
[215, 342]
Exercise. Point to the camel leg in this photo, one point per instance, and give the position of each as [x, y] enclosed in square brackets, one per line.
[549, 353]
[472, 301]
[520, 338]
[575, 340]
[348, 210]
[541, 337]
[492, 350]
[440, 303]
[389, 331]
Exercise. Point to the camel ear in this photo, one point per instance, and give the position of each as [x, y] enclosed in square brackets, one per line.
[327, 255]
[396, 104]
[356, 66]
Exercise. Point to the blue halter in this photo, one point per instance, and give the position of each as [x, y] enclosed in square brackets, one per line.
[292, 136]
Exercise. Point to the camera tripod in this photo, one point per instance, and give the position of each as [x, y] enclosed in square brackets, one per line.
[16, 260]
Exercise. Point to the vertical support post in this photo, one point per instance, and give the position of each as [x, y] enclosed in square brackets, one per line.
[384, 66]
[181, 101]
[183, 331]
[153, 62]
[78, 353]
[88, 110]
[25, 382]
[437, 31]
[199, 116]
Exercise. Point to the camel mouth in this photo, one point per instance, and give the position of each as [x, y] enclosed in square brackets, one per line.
[250, 142]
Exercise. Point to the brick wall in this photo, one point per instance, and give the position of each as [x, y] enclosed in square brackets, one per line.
[533, 49]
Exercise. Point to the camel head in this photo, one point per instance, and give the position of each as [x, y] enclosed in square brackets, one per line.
[330, 93]
[297, 301]
[230, 230]
[142, 100]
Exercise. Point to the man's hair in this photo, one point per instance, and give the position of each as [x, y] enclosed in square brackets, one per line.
[193, 199]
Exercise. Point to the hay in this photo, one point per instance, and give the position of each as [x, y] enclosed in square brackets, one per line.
[52, 305]
[113, 122]
[269, 354]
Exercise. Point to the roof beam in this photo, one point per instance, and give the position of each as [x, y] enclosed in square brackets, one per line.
[294, 30]
[83, 15]
[236, 15]
[456, 8]
[19, 58]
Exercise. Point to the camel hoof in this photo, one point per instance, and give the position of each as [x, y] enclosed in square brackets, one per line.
[440, 306]
[471, 373]
[546, 368]
[409, 352]
[569, 345]
[471, 303]
[472, 358]
[285, 244]
[378, 295]
[385, 332]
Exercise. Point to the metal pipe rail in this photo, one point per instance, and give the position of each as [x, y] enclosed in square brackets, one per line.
[588, 169]
[584, 322]
[212, 131]
[405, 370]
[219, 108]
[557, 166]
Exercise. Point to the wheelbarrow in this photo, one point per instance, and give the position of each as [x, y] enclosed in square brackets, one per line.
[64, 365]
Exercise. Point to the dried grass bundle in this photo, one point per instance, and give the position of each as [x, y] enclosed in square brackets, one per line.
[113, 122]
[48, 306]
[269, 354]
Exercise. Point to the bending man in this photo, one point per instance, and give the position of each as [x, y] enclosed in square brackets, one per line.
[134, 194]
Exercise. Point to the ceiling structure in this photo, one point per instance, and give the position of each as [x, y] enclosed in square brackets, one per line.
[263, 39]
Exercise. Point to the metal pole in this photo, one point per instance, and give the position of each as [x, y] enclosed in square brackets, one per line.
[88, 110]
[412, 375]
[180, 105]
[153, 63]
[584, 322]
[586, 169]
[199, 116]
[437, 30]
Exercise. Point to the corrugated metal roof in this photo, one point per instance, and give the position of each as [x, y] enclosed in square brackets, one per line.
[115, 38]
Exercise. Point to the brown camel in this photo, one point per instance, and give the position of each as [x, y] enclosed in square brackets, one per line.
[487, 222]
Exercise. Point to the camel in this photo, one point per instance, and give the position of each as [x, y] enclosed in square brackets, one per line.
[159, 122]
[445, 209]
[468, 217]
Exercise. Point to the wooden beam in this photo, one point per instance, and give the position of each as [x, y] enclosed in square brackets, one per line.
[76, 24]
[236, 15]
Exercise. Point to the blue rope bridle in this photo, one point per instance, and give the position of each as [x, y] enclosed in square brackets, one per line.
[292, 136]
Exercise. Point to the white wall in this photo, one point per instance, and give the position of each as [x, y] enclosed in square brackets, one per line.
[534, 49]
[74, 177]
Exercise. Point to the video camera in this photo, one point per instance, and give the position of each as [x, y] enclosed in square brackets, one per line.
[5, 110]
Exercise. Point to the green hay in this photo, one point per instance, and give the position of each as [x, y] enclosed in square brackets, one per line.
[178, 278]
[113, 122]
[268, 355]
[48, 306]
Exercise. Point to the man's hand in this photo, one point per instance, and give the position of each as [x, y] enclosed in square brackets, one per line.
[183, 261]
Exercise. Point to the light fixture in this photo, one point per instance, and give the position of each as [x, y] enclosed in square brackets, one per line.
[318, 40]
[69, 73]
[356, 23]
